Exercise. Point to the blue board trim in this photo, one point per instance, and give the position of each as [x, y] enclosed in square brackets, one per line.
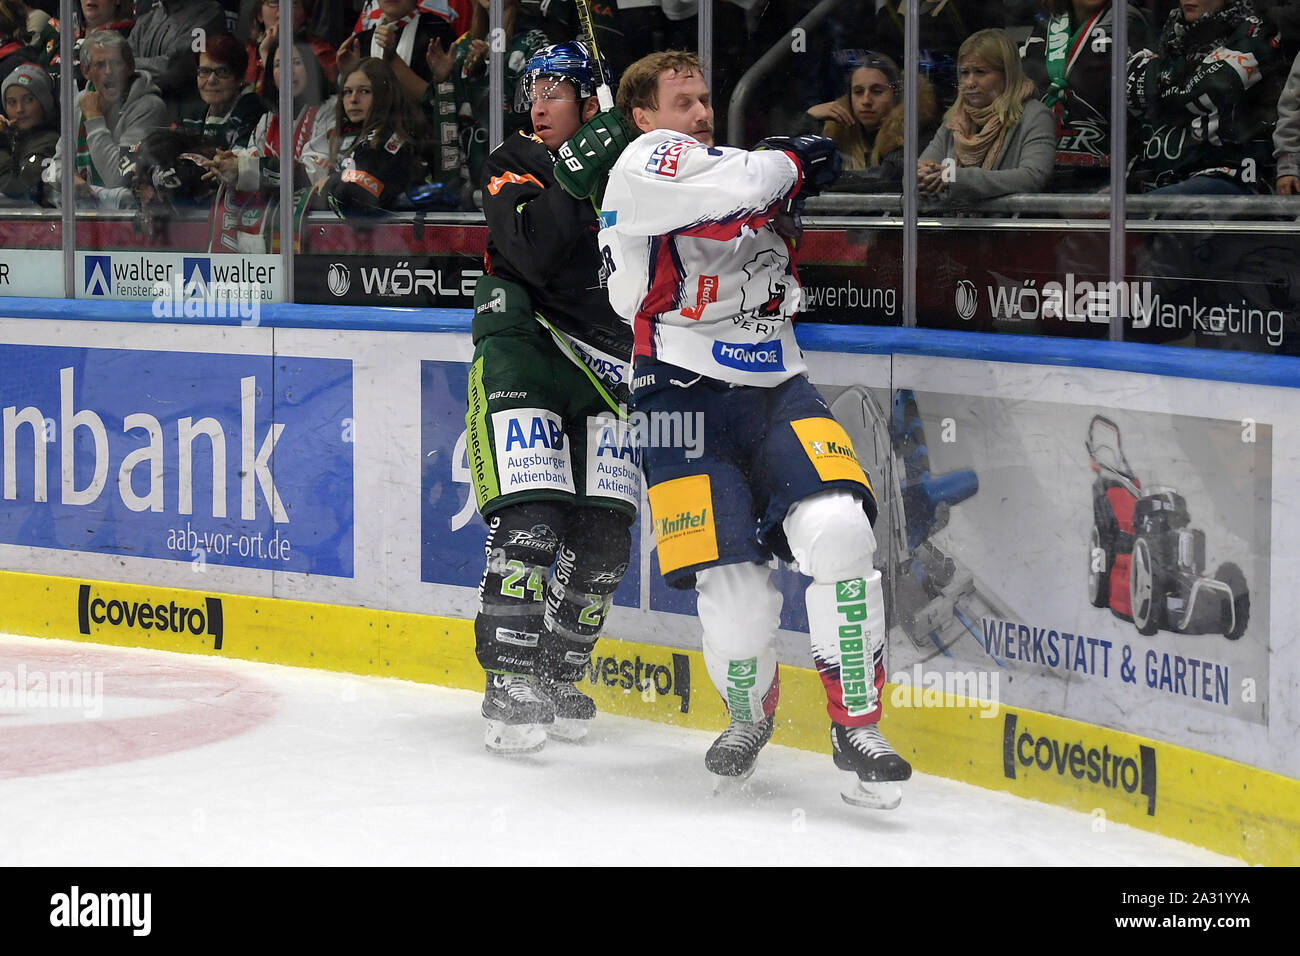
[1209, 364]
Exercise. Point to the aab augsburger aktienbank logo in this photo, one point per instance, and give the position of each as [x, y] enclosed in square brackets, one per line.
[966, 300]
[339, 279]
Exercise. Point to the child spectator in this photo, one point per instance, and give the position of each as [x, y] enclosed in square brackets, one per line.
[29, 131]
[1205, 101]
[866, 123]
[997, 138]
[374, 151]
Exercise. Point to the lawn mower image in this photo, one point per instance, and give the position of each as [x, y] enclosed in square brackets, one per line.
[932, 597]
[1145, 563]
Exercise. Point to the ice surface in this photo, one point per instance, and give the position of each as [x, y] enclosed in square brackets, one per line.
[198, 760]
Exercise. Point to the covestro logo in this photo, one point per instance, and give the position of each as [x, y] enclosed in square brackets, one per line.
[95, 610]
[1026, 752]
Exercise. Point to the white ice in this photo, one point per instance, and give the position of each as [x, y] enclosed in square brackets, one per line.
[199, 760]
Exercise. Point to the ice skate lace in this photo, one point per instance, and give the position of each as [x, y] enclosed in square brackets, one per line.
[868, 740]
[519, 689]
[741, 736]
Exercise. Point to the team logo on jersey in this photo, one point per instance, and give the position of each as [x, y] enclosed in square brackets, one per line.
[767, 282]
[365, 180]
[685, 533]
[666, 158]
[496, 184]
[829, 449]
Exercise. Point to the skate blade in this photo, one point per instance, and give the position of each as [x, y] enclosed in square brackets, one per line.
[723, 784]
[873, 796]
[568, 730]
[514, 739]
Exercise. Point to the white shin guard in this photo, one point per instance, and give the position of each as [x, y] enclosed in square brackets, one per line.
[740, 610]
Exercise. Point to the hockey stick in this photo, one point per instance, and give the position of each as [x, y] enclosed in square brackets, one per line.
[603, 94]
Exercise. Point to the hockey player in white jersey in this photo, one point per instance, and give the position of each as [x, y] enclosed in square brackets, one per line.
[696, 264]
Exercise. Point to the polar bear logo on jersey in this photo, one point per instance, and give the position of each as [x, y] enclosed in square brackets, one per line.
[766, 284]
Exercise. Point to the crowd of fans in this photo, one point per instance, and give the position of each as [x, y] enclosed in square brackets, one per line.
[177, 100]
[1027, 103]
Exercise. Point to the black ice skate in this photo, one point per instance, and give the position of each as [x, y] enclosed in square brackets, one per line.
[516, 713]
[872, 768]
[732, 756]
[574, 710]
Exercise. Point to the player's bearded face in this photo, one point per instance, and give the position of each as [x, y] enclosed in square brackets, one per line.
[683, 106]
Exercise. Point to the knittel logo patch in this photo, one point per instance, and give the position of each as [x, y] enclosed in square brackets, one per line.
[829, 449]
[683, 522]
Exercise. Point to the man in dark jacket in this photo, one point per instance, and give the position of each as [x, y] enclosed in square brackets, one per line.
[163, 40]
[1206, 101]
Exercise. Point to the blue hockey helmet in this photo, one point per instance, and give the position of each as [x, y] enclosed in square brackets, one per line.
[570, 61]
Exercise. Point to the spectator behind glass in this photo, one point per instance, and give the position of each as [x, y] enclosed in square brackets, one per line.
[1286, 138]
[118, 108]
[256, 167]
[164, 37]
[400, 30]
[13, 37]
[374, 151]
[455, 103]
[92, 15]
[225, 114]
[266, 30]
[866, 123]
[524, 36]
[29, 132]
[1205, 102]
[997, 138]
[1072, 77]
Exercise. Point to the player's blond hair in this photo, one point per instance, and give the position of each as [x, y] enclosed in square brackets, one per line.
[640, 83]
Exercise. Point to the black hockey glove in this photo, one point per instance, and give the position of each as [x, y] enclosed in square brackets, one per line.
[818, 159]
[583, 165]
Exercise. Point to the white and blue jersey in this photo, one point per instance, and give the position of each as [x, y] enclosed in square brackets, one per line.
[692, 262]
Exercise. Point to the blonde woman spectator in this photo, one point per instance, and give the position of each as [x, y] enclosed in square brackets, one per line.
[997, 138]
